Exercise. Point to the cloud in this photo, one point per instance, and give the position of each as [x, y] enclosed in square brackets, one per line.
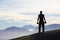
[29, 13]
[7, 23]
[26, 11]
[31, 5]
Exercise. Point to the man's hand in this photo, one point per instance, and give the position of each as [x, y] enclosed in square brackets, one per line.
[45, 22]
[37, 23]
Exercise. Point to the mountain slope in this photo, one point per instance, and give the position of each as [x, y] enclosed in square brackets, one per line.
[13, 32]
[49, 35]
[50, 27]
[16, 29]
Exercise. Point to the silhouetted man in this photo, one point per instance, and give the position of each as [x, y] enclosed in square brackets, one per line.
[41, 21]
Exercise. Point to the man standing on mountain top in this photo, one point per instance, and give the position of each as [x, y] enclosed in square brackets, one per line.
[41, 21]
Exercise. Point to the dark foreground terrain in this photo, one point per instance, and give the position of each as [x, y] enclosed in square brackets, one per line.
[49, 35]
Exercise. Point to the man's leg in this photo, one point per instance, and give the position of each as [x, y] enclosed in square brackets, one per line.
[39, 28]
[43, 27]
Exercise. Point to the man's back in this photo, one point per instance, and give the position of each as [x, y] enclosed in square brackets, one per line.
[41, 17]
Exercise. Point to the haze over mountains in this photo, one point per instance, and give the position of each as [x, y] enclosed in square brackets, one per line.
[13, 32]
[48, 35]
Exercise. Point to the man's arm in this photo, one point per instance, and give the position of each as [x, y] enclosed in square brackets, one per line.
[44, 20]
[38, 19]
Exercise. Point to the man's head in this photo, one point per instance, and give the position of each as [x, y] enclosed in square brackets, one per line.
[40, 12]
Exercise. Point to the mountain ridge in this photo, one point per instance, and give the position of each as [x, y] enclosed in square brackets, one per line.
[14, 32]
[33, 27]
[49, 35]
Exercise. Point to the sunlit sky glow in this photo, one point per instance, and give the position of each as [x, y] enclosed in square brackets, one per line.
[24, 12]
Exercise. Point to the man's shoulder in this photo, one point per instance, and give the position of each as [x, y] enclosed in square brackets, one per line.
[38, 14]
[42, 14]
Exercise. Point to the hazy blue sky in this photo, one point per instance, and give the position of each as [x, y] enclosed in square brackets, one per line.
[24, 12]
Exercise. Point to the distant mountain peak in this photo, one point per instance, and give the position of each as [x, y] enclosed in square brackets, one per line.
[13, 28]
[29, 27]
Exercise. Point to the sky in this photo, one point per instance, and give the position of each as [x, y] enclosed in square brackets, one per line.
[25, 12]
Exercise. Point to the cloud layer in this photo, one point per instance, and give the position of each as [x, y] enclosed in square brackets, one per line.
[19, 12]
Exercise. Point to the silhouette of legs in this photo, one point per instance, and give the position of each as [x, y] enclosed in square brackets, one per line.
[39, 28]
[43, 27]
